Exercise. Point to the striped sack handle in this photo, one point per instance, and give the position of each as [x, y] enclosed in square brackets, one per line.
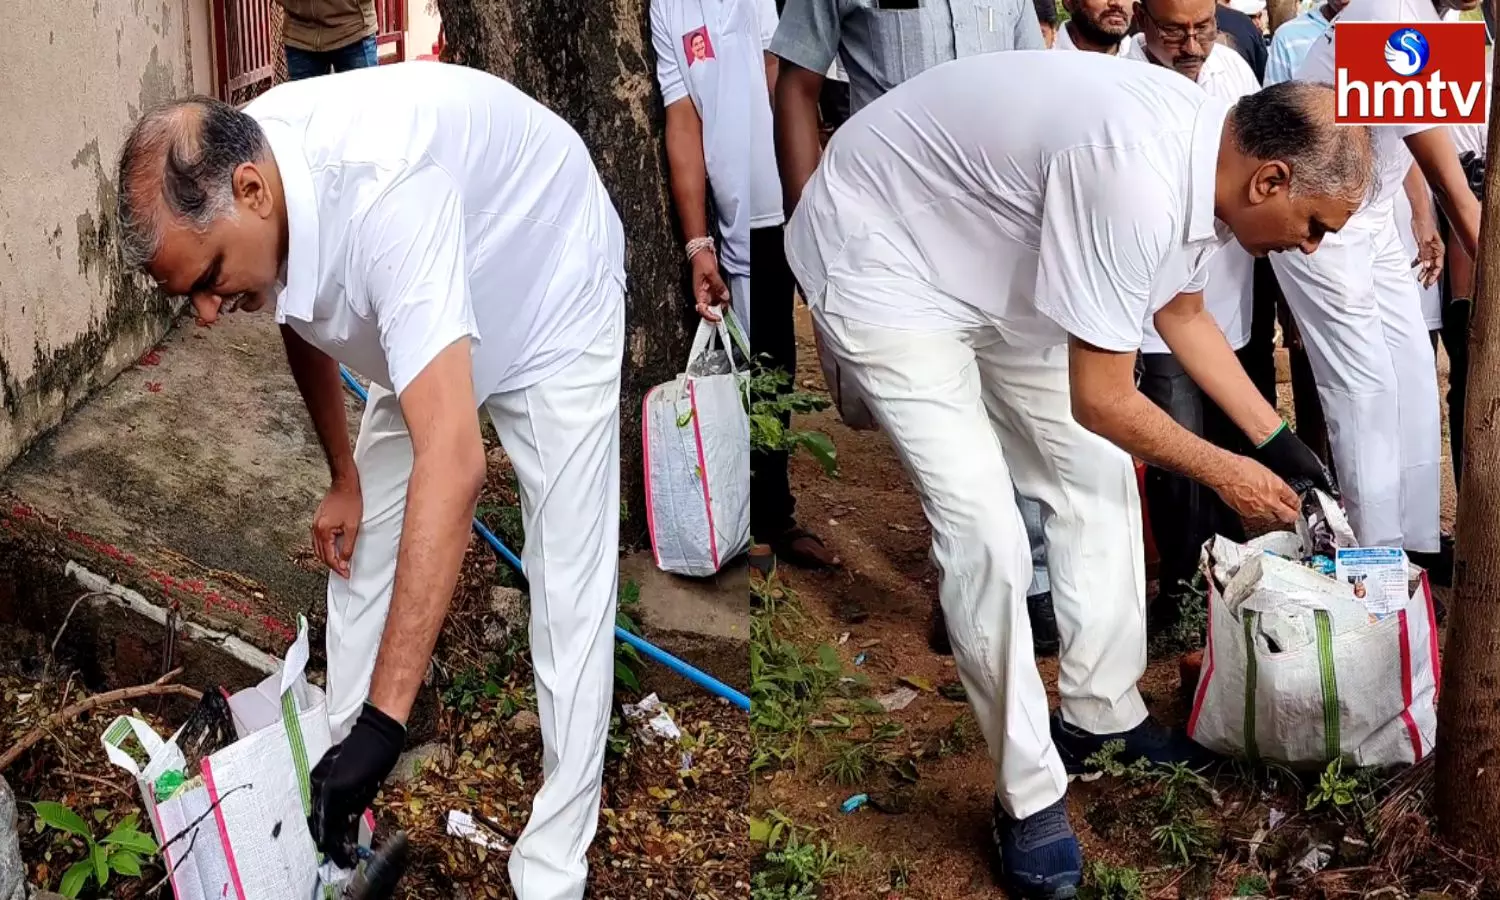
[241, 834]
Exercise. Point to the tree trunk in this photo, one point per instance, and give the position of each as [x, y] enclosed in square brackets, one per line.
[1468, 743]
[590, 61]
[1280, 11]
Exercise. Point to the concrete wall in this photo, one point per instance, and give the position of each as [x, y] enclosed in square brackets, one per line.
[74, 75]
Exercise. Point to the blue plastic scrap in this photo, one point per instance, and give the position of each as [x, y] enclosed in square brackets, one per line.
[854, 803]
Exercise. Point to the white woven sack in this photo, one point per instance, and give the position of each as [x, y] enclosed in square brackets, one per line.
[695, 434]
[1364, 692]
[243, 835]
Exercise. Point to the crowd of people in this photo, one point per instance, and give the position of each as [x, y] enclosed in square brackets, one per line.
[1031, 269]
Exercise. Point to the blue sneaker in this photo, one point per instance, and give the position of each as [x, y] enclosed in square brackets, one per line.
[1039, 855]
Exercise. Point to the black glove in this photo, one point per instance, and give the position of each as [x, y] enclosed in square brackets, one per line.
[1473, 165]
[1285, 455]
[346, 780]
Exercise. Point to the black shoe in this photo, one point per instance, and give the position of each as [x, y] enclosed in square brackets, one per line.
[1044, 639]
[1039, 856]
[1439, 565]
[937, 632]
[1149, 741]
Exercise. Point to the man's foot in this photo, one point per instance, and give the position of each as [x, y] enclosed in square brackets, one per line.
[1149, 741]
[1044, 639]
[803, 549]
[1439, 565]
[1039, 855]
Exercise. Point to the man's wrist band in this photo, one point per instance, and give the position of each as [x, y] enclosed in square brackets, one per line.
[697, 244]
[1279, 429]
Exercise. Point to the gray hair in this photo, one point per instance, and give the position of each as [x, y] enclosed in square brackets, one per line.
[1293, 122]
[178, 166]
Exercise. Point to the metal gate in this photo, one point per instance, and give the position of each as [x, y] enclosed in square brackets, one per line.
[247, 43]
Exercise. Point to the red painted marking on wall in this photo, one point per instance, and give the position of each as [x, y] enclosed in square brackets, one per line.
[152, 357]
[153, 387]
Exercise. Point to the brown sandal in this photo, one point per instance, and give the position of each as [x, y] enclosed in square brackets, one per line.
[803, 549]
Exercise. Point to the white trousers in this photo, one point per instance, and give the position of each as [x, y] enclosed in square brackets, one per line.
[967, 415]
[563, 439]
[1357, 305]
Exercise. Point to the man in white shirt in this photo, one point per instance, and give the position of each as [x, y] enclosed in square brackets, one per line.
[1181, 35]
[1097, 26]
[980, 271]
[1357, 307]
[448, 237]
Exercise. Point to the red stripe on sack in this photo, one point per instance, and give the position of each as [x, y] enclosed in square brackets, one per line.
[1208, 666]
[1411, 724]
[646, 464]
[213, 800]
[1432, 640]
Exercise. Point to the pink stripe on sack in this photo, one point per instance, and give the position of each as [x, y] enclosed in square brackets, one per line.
[713, 541]
[1411, 724]
[213, 800]
[166, 857]
[1207, 671]
[646, 465]
[1432, 640]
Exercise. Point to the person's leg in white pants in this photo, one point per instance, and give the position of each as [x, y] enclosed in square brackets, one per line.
[563, 439]
[1357, 307]
[930, 391]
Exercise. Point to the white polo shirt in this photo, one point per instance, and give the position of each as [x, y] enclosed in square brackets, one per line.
[1230, 293]
[427, 202]
[713, 51]
[1081, 205]
[1063, 40]
[1393, 159]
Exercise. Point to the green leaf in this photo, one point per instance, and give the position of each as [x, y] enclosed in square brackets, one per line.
[126, 863]
[625, 676]
[62, 818]
[822, 450]
[132, 840]
[685, 418]
[100, 857]
[75, 878]
[760, 830]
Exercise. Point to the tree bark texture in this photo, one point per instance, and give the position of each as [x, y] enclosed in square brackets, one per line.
[1468, 742]
[1280, 11]
[591, 62]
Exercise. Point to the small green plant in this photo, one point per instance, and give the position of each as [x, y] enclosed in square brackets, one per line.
[849, 764]
[1191, 628]
[1107, 760]
[961, 736]
[627, 660]
[1102, 881]
[794, 872]
[120, 852]
[1180, 786]
[1339, 791]
[788, 685]
[1252, 886]
[773, 829]
[1183, 839]
[768, 400]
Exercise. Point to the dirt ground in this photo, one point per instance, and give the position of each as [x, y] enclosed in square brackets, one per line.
[924, 831]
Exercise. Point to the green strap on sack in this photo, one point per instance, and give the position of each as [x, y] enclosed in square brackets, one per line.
[1323, 622]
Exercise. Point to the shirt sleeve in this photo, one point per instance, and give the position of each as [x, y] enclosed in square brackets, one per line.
[768, 19]
[668, 74]
[1278, 61]
[809, 33]
[1028, 29]
[410, 250]
[1107, 226]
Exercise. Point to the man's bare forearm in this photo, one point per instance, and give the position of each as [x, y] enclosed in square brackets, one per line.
[797, 132]
[1124, 417]
[1418, 194]
[317, 377]
[1195, 339]
[688, 169]
[1435, 154]
[434, 535]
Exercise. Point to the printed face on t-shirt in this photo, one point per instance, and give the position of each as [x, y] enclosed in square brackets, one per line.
[698, 46]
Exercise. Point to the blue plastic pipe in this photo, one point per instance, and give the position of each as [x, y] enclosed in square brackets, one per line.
[644, 647]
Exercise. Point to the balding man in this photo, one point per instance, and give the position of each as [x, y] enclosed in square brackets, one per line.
[980, 272]
[1360, 315]
[458, 268]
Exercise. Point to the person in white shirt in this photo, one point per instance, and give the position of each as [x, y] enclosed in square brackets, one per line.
[1098, 26]
[448, 237]
[1181, 35]
[980, 272]
[1357, 308]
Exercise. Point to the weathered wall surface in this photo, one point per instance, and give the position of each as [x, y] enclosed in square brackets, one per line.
[74, 75]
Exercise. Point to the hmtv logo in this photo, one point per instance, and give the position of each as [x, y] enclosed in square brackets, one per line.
[1392, 73]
